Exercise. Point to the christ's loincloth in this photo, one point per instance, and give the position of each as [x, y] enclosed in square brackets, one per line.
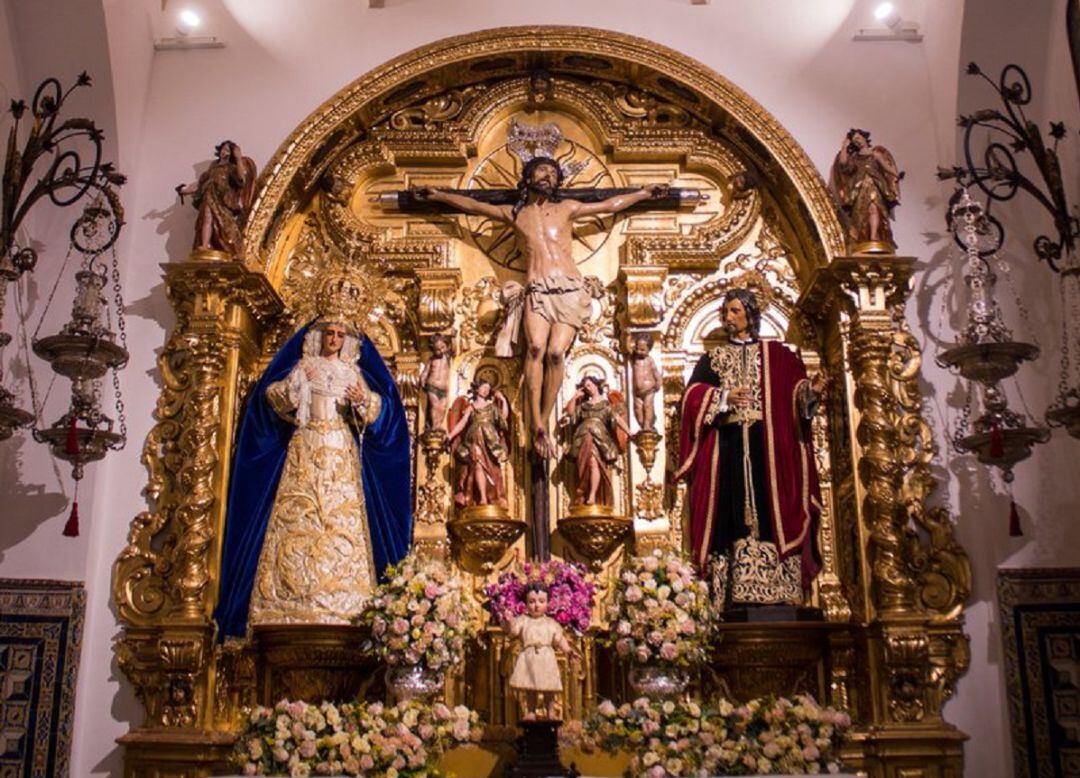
[438, 391]
[561, 299]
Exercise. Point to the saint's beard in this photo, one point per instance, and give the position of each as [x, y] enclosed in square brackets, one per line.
[734, 332]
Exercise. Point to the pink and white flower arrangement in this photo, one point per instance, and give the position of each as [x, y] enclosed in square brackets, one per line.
[422, 615]
[570, 593]
[789, 736]
[661, 613]
[678, 738]
[357, 739]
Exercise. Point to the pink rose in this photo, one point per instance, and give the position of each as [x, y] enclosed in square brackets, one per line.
[668, 651]
[642, 654]
[633, 594]
[366, 762]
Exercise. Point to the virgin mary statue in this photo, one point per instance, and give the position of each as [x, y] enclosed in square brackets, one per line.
[319, 500]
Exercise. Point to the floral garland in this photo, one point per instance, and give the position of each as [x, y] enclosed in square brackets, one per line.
[358, 739]
[420, 616]
[662, 613]
[570, 593]
[677, 738]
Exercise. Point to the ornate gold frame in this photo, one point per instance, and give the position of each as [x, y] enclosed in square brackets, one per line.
[896, 578]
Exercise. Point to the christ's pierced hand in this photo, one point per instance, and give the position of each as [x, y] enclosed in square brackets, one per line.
[422, 193]
[657, 191]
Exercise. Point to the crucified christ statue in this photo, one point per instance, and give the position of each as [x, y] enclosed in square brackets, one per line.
[556, 298]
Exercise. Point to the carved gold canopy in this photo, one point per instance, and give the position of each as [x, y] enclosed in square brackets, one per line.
[422, 109]
[628, 112]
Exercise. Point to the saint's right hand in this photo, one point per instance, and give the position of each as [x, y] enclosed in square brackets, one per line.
[739, 396]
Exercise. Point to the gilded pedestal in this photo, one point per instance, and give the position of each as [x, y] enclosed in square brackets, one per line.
[314, 662]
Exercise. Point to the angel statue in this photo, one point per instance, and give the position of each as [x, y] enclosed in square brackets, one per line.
[599, 431]
[866, 184]
[479, 438]
[223, 195]
[319, 498]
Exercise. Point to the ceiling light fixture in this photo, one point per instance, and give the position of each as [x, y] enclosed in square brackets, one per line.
[895, 29]
[187, 21]
[887, 14]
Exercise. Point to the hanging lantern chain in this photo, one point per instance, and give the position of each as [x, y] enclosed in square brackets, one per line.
[121, 329]
[1066, 346]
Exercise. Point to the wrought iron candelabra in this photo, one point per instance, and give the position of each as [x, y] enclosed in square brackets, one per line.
[1000, 178]
[59, 160]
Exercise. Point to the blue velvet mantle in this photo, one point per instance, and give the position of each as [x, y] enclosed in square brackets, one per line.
[261, 446]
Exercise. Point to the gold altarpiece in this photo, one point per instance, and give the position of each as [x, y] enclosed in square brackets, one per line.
[631, 112]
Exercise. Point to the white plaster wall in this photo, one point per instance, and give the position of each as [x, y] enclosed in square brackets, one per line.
[283, 59]
[997, 32]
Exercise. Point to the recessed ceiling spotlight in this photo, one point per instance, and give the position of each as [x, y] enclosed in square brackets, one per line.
[187, 21]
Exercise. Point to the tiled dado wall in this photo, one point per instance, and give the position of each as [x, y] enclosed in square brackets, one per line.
[41, 626]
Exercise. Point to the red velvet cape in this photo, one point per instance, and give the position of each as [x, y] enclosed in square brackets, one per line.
[795, 499]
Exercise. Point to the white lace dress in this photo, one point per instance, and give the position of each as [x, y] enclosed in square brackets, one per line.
[316, 565]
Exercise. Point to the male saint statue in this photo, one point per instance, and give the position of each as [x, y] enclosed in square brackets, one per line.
[746, 449]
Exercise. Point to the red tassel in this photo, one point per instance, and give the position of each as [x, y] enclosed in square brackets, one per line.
[997, 442]
[1014, 521]
[71, 529]
[72, 445]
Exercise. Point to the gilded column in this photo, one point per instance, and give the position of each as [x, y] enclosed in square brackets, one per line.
[165, 591]
[914, 648]
[867, 290]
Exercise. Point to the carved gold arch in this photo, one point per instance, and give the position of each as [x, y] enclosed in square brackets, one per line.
[687, 86]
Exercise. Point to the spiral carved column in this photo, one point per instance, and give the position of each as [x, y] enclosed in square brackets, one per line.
[913, 646]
